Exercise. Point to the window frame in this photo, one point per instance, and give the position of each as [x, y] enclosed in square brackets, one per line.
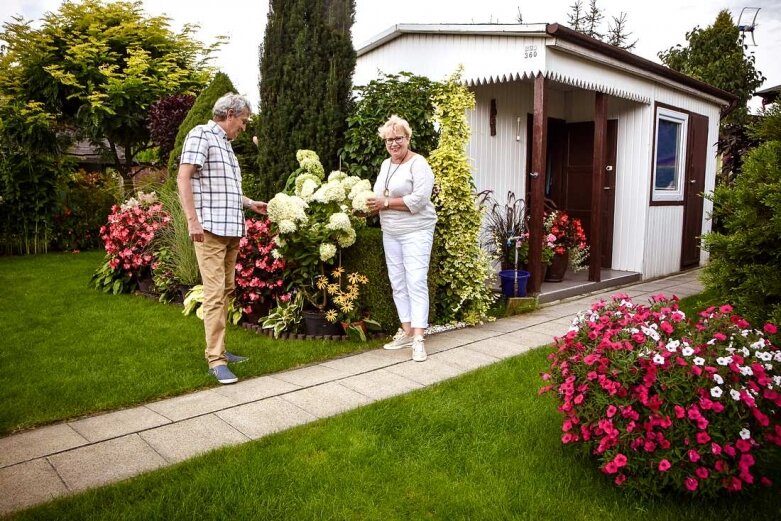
[666, 196]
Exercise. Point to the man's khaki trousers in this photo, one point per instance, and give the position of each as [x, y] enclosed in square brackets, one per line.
[217, 263]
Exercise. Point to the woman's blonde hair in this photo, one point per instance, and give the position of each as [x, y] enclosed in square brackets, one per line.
[394, 124]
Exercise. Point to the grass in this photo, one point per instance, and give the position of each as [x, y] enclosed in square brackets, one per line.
[67, 350]
[483, 446]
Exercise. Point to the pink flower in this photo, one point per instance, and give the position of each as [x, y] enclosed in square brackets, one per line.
[694, 456]
[702, 472]
[715, 449]
[620, 460]
[770, 329]
[691, 483]
[702, 437]
[611, 410]
[664, 465]
[610, 468]
[621, 478]
[726, 308]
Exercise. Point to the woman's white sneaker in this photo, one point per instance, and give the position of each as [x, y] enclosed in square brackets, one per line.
[418, 349]
[400, 339]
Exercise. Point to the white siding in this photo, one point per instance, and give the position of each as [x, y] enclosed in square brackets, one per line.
[663, 243]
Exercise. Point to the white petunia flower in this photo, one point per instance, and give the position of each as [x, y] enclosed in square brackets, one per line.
[746, 371]
[672, 345]
[759, 344]
[735, 394]
[718, 379]
[745, 434]
[764, 356]
[716, 391]
[777, 379]
[658, 359]
[777, 356]
[724, 360]
[687, 351]
[698, 360]
[745, 352]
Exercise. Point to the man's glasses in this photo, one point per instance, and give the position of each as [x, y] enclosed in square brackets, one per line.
[398, 140]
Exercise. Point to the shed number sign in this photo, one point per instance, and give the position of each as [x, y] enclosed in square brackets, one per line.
[529, 51]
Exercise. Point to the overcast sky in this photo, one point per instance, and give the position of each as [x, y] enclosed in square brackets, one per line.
[657, 25]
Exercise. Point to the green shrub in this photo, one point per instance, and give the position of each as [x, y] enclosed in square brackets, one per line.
[405, 95]
[200, 113]
[745, 258]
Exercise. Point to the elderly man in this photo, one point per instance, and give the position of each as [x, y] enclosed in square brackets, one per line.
[209, 182]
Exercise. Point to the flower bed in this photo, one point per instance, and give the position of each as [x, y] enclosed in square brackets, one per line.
[664, 403]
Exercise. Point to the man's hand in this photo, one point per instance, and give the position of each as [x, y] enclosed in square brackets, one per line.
[258, 207]
[196, 230]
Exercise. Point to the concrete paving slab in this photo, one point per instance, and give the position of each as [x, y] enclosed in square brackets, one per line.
[28, 484]
[258, 419]
[191, 405]
[531, 339]
[120, 423]
[359, 363]
[255, 389]
[499, 347]
[502, 325]
[464, 358]
[192, 437]
[443, 342]
[327, 399]
[426, 373]
[106, 462]
[395, 356]
[549, 328]
[380, 384]
[530, 319]
[312, 375]
[475, 333]
[38, 443]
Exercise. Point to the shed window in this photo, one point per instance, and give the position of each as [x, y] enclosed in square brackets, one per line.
[670, 155]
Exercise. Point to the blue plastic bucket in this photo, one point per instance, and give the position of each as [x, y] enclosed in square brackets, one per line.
[509, 286]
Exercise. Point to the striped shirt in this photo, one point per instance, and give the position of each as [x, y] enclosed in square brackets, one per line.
[216, 183]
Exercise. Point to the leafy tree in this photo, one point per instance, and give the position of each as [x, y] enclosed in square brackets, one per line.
[588, 20]
[97, 67]
[462, 266]
[403, 94]
[306, 66]
[165, 117]
[716, 56]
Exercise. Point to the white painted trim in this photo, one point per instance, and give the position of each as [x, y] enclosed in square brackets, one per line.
[663, 113]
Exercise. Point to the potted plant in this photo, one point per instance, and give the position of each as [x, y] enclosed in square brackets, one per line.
[312, 222]
[345, 298]
[566, 243]
[504, 229]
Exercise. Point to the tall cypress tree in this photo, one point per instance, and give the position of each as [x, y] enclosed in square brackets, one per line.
[306, 67]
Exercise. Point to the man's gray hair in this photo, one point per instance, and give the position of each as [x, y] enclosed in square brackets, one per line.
[231, 101]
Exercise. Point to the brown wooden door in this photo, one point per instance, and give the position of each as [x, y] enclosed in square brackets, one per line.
[694, 179]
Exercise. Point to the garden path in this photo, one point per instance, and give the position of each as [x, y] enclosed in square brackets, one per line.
[52, 461]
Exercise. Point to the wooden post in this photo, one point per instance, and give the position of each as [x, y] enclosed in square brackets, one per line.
[537, 180]
[597, 187]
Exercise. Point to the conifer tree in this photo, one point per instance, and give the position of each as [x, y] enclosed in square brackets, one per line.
[306, 66]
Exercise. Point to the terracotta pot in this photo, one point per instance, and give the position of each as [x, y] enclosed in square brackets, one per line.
[558, 267]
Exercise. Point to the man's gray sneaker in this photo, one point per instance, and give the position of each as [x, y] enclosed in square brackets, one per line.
[235, 359]
[223, 374]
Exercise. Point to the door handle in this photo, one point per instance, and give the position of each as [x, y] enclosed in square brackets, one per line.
[692, 181]
[605, 188]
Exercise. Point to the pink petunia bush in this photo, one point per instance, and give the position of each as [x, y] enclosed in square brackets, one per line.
[128, 236]
[666, 403]
[258, 273]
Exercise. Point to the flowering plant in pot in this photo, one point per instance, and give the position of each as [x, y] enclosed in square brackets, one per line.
[128, 240]
[565, 236]
[344, 293]
[259, 275]
[314, 221]
[665, 403]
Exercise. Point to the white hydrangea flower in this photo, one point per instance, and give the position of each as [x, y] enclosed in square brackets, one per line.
[339, 221]
[716, 391]
[349, 182]
[698, 360]
[312, 166]
[306, 154]
[337, 175]
[687, 351]
[360, 201]
[327, 251]
[331, 191]
[735, 394]
[285, 207]
[658, 359]
[745, 434]
[361, 186]
[279, 241]
[275, 253]
[346, 238]
[287, 226]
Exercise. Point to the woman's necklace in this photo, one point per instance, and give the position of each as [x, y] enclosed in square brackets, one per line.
[388, 177]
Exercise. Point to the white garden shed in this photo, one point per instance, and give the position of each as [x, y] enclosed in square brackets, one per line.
[623, 143]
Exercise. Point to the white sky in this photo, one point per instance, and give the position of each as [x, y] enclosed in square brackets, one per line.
[657, 25]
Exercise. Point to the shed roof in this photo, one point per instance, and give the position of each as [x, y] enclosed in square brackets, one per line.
[564, 39]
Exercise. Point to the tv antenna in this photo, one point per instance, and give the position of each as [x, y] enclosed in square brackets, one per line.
[747, 22]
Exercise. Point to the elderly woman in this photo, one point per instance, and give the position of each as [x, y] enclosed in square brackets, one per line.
[407, 216]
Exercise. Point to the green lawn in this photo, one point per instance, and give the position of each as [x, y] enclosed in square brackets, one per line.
[483, 446]
[67, 350]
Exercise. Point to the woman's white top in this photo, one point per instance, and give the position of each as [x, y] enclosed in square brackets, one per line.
[413, 182]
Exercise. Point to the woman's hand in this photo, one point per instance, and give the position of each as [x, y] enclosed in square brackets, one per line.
[374, 204]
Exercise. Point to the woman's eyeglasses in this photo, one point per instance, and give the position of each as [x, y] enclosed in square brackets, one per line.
[398, 140]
